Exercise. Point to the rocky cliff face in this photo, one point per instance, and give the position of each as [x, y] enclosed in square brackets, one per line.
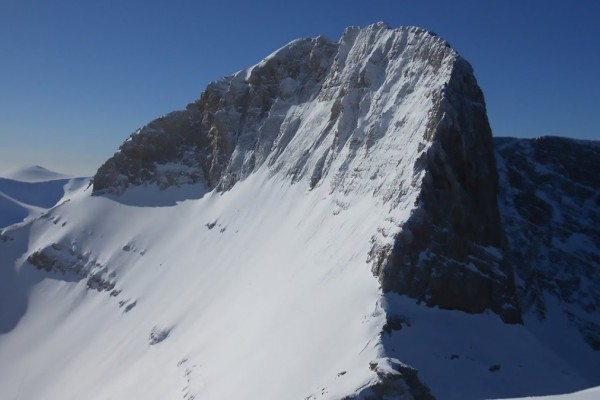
[393, 114]
[550, 202]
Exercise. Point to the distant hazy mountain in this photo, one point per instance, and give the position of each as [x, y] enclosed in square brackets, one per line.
[29, 191]
[335, 222]
[32, 174]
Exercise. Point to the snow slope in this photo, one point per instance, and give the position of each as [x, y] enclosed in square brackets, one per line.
[221, 297]
[270, 298]
[469, 357]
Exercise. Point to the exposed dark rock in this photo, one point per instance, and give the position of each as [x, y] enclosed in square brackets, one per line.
[211, 225]
[74, 266]
[395, 380]
[158, 335]
[99, 283]
[549, 197]
[589, 330]
[128, 305]
[395, 322]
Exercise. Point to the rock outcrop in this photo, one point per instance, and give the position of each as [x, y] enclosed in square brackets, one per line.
[59, 259]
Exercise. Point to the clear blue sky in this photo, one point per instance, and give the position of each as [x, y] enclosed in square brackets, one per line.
[77, 77]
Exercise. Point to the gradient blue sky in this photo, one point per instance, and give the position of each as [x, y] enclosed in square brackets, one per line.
[77, 77]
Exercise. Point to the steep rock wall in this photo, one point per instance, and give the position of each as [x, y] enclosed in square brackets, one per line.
[452, 251]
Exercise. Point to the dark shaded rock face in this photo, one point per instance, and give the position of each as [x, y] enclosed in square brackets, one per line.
[550, 204]
[395, 380]
[451, 252]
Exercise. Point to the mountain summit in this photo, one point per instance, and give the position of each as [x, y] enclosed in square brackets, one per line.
[330, 223]
[391, 114]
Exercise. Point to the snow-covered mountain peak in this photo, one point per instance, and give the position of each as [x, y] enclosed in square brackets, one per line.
[394, 115]
[313, 227]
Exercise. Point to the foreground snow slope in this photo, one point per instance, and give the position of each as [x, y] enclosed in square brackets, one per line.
[468, 357]
[269, 298]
